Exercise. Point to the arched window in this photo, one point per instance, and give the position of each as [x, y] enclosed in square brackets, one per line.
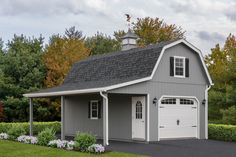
[139, 110]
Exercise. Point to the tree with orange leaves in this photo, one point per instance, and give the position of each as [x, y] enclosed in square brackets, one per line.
[61, 53]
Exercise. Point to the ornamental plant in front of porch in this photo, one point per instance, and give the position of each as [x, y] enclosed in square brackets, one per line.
[46, 136]
[83, 141]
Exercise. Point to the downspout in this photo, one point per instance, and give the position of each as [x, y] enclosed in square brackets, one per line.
[106, 118]
[206, 110]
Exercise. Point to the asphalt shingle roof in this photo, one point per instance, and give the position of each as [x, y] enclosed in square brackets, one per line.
[111, 69]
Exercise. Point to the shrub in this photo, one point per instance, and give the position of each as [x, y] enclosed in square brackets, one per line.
[46, 136]
[27, 139]
[37, 126]
[4, 136]
[96, 148]
[83, 141]
[16, 131]
[229, 115]
[222, 132]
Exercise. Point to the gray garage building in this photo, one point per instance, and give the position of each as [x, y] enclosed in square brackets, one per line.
[138, 94]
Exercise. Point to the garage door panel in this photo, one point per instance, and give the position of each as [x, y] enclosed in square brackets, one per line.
[183, 121]
[178, 120]
[177, 111]
[174, 132]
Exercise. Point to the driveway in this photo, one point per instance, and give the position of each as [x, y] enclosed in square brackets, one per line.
[178, 148]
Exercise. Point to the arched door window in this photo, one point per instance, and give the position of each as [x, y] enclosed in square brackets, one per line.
[139, 110]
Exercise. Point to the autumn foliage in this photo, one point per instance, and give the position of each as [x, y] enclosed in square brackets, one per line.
[61, 53]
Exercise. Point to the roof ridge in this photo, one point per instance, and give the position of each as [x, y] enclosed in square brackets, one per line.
[117, 53]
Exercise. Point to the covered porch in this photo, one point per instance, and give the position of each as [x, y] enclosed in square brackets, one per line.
[108, 116]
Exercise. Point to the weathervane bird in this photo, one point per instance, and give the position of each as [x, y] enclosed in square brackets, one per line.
[128, 17]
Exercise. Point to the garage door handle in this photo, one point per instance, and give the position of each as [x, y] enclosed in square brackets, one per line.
[161, 127]
[194, 126]
[194, 107]
[162, 107]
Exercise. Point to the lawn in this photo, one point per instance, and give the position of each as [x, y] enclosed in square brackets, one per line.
[13, 149]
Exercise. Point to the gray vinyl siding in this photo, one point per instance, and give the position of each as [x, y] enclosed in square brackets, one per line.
[163, 84]
[76, 116]
[120, 122]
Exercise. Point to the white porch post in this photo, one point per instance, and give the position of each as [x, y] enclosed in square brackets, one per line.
[31, 116]
[105, 119]
[62, 117]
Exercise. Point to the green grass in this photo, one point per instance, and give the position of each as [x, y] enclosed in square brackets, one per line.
[13, 149]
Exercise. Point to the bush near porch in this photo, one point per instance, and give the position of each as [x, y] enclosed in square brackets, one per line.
[222, 132]
[37, 126]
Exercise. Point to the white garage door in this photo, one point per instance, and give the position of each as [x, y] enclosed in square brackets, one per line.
[178, 118]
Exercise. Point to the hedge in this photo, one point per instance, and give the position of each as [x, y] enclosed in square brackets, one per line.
[222, 132]
[37, 126]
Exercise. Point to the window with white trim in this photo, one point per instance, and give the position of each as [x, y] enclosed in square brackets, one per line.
[179, 66]
[94, 109]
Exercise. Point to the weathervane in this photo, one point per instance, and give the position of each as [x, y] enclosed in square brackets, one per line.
[128, 17]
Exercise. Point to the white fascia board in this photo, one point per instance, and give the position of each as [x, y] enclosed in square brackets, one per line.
[71, 92]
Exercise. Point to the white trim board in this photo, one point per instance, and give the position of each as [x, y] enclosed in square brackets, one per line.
[94, 90]
[206, 111]
[148, 117]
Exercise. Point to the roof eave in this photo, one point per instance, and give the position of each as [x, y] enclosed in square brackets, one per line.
[63, 93]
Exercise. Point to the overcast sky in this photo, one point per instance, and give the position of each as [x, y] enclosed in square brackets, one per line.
[206, 22]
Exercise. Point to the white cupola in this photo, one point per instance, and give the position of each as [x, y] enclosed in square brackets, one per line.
[129, 40]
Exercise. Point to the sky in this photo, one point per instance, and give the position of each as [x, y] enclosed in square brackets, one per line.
[206, 22]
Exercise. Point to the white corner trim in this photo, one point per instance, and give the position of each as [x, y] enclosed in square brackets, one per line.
[206, 111]
[174, 96]
[148, 117]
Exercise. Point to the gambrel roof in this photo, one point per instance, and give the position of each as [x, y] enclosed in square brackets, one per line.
[113, 70]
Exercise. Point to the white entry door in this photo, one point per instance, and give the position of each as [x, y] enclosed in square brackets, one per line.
[138, 118]
[178, 118]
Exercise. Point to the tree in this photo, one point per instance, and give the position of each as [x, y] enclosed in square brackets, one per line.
[61, 53]
[217, 64]
[72, 33]
[153, 30]
[222, 67]
[101, 43]
[21, 66]
[21, 71]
